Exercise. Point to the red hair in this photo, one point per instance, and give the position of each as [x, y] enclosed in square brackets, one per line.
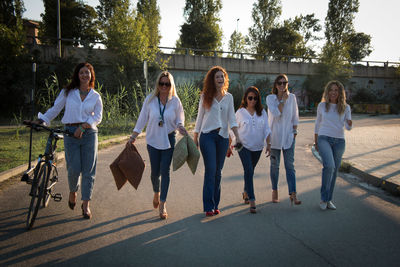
[209, 89]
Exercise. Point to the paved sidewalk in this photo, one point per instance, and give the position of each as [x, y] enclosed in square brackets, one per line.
[373, 149]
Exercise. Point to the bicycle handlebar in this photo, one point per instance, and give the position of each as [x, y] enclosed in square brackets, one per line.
[37, 126]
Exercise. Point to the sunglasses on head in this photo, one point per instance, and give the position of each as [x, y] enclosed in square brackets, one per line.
[166, 84]
[280, 83]
[251, 98]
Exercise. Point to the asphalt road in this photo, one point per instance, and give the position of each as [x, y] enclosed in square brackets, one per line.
[126, 230]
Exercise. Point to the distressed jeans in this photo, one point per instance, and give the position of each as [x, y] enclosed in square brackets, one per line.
[213, 148]
[160, 162]
[288, 157]
[81, 158]
[331, 150]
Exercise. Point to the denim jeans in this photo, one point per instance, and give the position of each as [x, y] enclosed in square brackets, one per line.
[288, 157]
[213, 148]
[249, 161]
[331, 151]
[81, 158]
[160, 162]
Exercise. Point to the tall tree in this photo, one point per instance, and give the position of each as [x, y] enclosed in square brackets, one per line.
[238, 43]
[78, 21]
[359, 46]
[265, 15]
[201, 29]
[283, 42]
[151, 14]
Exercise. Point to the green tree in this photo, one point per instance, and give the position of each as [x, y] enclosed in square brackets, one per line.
[308, 27]
[78, 21]
[359, 45]
[151, 14]
[238, 44]
[12, 57]
[201, 29]
[284, 41]
[265, 15]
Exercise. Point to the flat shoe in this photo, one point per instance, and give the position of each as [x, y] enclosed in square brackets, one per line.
[323, 205]
[87, 216]
[253, 210]
[216, 212]
[209, 213]
[71, 205]
[331, 206]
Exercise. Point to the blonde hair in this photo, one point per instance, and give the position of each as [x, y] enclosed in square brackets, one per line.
[341, 105]
[172, 90]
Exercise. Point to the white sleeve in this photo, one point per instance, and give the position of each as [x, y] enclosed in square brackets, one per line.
[295, 118]
[97, 113]
[200, 116]
[143, 117]
[180, 115]
[231, 113]
[319, 118]
[59, 104]
[272, 106]
[347, 116]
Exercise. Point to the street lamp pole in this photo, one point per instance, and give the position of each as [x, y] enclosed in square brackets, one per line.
[58, 29]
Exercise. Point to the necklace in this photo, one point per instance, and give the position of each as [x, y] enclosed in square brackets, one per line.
[84, 93]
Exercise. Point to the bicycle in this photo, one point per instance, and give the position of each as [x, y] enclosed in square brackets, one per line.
[45, 174]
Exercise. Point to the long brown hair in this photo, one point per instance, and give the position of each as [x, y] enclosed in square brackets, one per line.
[258, 106]
[75, 82]
[341, 105]
[209, 89]
[274, 88]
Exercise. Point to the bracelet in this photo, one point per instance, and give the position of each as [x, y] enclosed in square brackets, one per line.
[82, 129]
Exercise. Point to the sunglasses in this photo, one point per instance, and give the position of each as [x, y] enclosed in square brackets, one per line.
[166, 84]
[251, 98]
[280, 83]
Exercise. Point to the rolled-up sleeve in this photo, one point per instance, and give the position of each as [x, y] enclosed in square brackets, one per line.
[97, 116]
[180, 115]
[200, 115]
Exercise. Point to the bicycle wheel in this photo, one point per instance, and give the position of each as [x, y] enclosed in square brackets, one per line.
[38, 189]
[50, 184]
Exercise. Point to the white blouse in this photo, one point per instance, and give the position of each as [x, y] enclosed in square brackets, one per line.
[218, 116]
[90, 110]
[331, 123]
[174, 117]
[281, 124]
[253, 129]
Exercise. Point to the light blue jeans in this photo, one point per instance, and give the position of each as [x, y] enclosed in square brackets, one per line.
[213, 148]
[331, 151]
[160, 162]
[249, 161]
[288, 157]
[81, 158]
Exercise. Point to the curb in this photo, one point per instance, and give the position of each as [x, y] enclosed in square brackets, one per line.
[60, 156]
[389, 187]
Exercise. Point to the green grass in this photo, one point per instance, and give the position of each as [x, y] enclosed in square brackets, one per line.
[14, 149]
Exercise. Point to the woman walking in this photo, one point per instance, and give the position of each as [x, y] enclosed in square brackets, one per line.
[254, 132]
[215, 114]
[83, 112]
[333, 114]
[162, 111]
[283, 118]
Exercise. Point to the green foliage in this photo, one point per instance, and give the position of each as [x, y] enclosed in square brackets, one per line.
[201, 29]
[238, 44]
[189, 95]
[151, 14]
[265, 15]
[78, 21]
[283, 41]
[359, 46]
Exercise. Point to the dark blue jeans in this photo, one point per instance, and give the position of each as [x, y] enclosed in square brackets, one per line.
[249, 161]
[160, 162]
[213, 148]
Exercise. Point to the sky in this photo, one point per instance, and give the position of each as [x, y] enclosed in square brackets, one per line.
[374, 18]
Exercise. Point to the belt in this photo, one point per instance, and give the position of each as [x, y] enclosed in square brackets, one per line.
[73, 124]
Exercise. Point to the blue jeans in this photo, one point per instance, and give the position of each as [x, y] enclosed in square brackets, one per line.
[249, 161]
[213, 148]
[288, 157]
[331, 151]
[81, 158]
[160, 162]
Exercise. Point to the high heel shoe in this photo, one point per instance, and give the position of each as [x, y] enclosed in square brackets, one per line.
[253, 207]
[245, 198]
[293, 199]
[163, 211]
[275, 196]
[71, 205]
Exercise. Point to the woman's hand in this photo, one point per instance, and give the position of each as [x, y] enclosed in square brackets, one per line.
[196, 139]
[133, 137]
[349, 122]
[268, 150]
[316, 147]
[78, 133]
[229, 152]
[182, 130]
